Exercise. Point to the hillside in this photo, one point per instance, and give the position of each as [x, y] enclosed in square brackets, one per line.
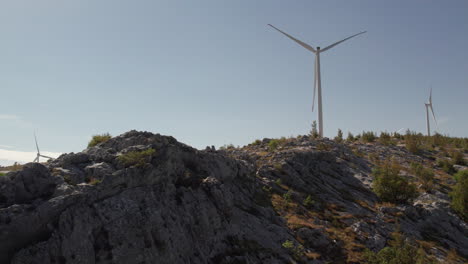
[146, 198]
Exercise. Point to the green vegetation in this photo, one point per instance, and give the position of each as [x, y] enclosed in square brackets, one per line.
[339, 136]
[390, 186]
[96, 139]
[275, 143]
[368, 136]
[288, 196]
[446, 166]
[297, 251]
[457, 158]
[256, 142]
[426, 176]
[94, 181]
[385, 138]
[350, 137]
[308, 201]
[314, 132]
[459, 194]
[136, 158]
[398, 252]
[2, 174]
[413, 142]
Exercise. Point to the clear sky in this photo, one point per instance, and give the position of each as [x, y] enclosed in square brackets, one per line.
[213, 73]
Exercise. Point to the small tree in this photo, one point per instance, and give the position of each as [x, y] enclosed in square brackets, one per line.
[339, 136]
[399, 251]
[314, 132]
[368, 136]
[426, 176]
[385, 138]
[459, 194]
[390, 186]
[350, 137]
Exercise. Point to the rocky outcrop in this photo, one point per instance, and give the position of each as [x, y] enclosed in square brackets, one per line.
[181, 205]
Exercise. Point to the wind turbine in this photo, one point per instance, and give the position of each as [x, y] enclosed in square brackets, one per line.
[38, 152]
[429, 105]
[317, 79]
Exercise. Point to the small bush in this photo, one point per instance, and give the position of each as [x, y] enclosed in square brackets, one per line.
[413, 142]
[446, 166]
[457, 157]
[385, 138]
[398, 252]
[459, 194]
[368, 136]
[297, 251]
[339, 136]
[308, 201]
[136, 158]
[426, 176]
[2, 174]
[390, 186]
[94, 181]
[350, 137]
[276, 143]
[96, 139]
[257, 142]
[288, 196]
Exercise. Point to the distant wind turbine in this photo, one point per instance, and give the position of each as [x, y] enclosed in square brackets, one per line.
[317, 79]
[429, 105]
[38, 152]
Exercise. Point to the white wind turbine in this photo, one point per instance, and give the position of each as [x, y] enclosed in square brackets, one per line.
[38, 152]
[429, 105]
[317, 79]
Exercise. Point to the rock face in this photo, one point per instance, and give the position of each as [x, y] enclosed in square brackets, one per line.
[181, 205]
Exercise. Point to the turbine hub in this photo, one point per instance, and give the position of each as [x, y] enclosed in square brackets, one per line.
[318, 48]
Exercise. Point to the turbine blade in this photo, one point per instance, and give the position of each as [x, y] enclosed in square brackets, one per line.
[46, 157]
[336, 43]
[433, 115]
[430, 97]
[35, 139]
[305, 45]
[315, 84]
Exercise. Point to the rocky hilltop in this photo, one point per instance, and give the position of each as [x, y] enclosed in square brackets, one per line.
[146, 198]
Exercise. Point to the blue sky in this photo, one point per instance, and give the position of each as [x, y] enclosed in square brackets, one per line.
[213, 73]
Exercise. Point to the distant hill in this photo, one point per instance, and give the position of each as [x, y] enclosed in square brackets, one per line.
[146, 198]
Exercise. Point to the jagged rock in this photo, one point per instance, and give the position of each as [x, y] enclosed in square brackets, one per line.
[34, 181]
[182, 205]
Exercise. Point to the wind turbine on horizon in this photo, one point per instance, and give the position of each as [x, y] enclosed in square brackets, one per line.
[429, 105]
[317, 79]
[38, 152]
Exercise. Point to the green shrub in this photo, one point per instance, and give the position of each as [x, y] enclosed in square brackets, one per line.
[426, 176]
[308, 201]
[297, 251]
[257, 142]
[2, 174]
[390, 186]
[136, 158]
[96, 139]
[350, 137]
[413, 142]
[398, 252]
[385, 138]
[459, 194]
[368, 136]
[275, 143]
[288, 196]
[457, 157]
[446, 166]
[339, 136]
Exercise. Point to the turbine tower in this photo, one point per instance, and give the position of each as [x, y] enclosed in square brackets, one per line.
[38, 152]
[317, 79]
[429, 105]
